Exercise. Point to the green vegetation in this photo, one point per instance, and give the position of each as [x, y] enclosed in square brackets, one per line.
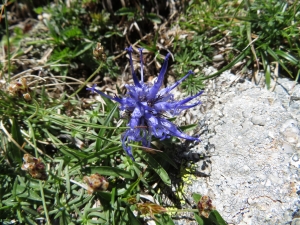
[61, 157]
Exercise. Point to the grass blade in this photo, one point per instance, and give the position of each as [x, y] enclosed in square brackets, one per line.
[156, 167]
[109, 171]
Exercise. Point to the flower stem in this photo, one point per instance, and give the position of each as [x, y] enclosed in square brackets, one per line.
[181, 210]
[44, 202]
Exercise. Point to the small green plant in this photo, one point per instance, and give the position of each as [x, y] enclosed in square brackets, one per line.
[71, 35]
[264, 33]
[61, 157]
[192, 54]
[271, 27]
[64, 164]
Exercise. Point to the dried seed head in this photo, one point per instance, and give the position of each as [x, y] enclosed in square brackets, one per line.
[99, 53]
[27, 97]
[35, 167]
[205, 206]
[19, 88]
[132, 200]
[96, 182]
[150, 208]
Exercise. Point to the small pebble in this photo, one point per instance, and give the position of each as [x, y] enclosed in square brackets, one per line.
[258, 120]
[295, 158]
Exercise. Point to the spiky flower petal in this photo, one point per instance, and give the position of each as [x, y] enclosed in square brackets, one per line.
[146, 105]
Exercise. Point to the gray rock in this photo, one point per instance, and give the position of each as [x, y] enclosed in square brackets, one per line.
[254, 173]
[296, 221]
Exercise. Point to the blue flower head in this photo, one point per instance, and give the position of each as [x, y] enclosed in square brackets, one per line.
[147, 105]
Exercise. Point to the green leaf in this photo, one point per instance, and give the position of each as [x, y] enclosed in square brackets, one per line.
[30, 211]
[198, 219]
[94, 214]
[30, 195]
[239, 58]
[267, 69]
[105, 195]
[101, 142]
[92, 221]
[125, 12]
[165, 219]
[14, 152]
[156, 167]
[109, 171]
[153, 17]
[217, 218]
[166, 158]
[83, 49]
[29, 220]
[188, 127]
[132, 186]
[113, 196]
[67, 180]
[273, 54]
[196, 197]
[38, 10]
[132, 219]
[110, 150]
[109, 34]
[287, 56]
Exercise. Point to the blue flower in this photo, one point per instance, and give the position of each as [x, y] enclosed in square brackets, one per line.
[146, 106]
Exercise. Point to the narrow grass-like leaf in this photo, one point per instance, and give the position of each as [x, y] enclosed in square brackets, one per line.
[239, 58]
[288, 57]
[110, 150]
[84, 49]
[132, 187]
[188, 127]
[138, 172]
[266, 69]
[156, 167]
[66, 151]
[29, 220]
[30, 211]
[275, 56]
[17, 136]
[67, 179]
[167, 159]
[109, 171]
[100, 142]
[98, 214]
[113, 197]
[80, 201]
[30, 195]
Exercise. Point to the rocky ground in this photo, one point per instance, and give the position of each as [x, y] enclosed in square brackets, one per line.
[250, 147]
[251, 142]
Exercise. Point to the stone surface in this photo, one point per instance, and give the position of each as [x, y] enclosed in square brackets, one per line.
[254, 162]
